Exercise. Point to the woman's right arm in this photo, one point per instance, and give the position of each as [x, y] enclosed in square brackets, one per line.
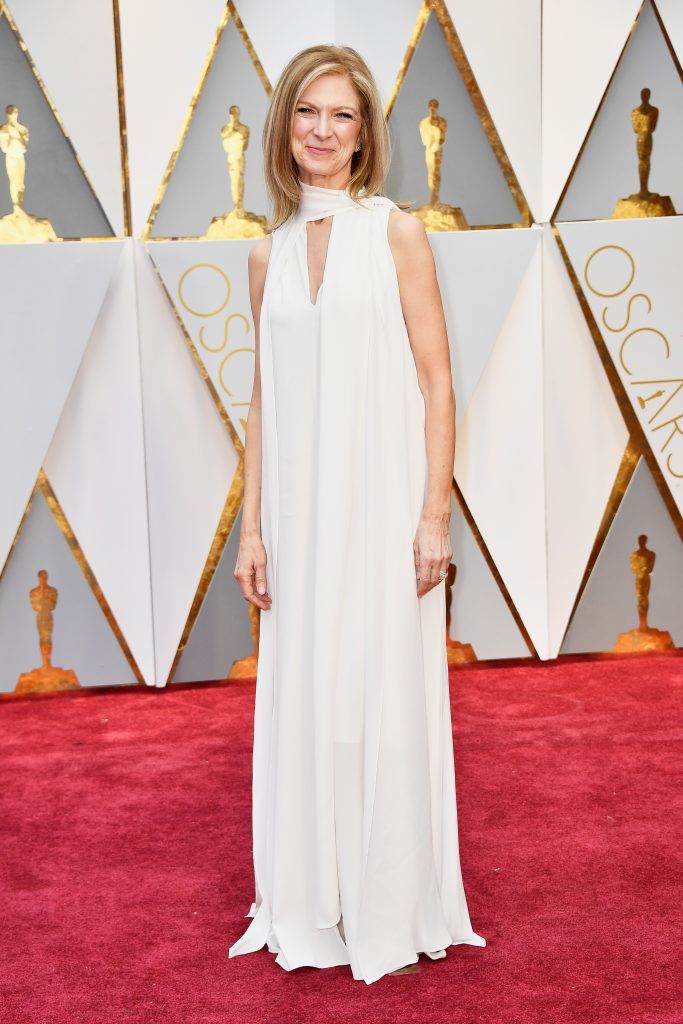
[250, 570]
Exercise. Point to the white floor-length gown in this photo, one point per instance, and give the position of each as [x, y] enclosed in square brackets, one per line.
[354, 809]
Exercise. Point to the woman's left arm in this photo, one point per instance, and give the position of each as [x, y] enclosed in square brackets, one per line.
[426, 325]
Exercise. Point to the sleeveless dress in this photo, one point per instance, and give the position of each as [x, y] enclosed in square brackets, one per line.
[355, 830]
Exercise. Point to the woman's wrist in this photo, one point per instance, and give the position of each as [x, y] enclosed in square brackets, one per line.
[248, 530]
[436, 514]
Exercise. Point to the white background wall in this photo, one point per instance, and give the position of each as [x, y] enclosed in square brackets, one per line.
[108, 388]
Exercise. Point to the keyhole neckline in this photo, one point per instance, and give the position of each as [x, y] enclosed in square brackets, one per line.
[319, 203]
[308, 270]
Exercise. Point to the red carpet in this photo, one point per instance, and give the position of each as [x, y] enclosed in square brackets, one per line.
[126, 858]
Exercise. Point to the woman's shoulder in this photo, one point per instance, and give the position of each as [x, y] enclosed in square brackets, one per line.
[259, 255]
[375, 202]
[404, 229]
[257, 264]
[409, 244]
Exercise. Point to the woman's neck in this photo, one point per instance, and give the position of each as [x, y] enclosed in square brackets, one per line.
[334, 182]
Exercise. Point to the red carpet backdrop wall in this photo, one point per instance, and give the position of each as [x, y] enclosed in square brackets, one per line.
[131, 189]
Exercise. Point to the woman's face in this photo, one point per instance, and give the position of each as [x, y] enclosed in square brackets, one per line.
[325, 128]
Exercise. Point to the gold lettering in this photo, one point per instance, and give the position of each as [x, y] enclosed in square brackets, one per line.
[615, 330]
[226, 332]
[676, 430]
[604, 248]
[220, 372]
[207, 266]
[204, 341]
[642, 402]
[658, 394]
[641, 330]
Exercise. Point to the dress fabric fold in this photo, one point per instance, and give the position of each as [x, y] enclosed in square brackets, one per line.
[355, 835]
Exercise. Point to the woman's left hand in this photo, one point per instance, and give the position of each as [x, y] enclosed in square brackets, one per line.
[432, 550]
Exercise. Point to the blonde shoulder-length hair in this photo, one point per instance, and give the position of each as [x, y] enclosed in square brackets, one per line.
[369, 167]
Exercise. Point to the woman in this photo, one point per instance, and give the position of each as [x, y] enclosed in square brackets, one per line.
[344, 546]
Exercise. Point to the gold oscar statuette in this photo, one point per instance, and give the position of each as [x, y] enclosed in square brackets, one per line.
[458, 653]
[644, 637]
[246, 668]
[19, 226]
[435, 215]
[237, 223]
[644, 203]
[48, 676]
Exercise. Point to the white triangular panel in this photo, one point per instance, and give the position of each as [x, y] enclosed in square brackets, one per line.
[96, 464]
[671, 13]
[582, 41]
[585, 438]
[198, 188]
[499, 461]
[165, 45]
[190, 463]
[278, 31]
[608, 605]
[50, 296]
[72, 46]
[502, 42]
[201, 277]
[630, 272]
[381, 40]
[608, 168]
[479, 273]
[471, 175]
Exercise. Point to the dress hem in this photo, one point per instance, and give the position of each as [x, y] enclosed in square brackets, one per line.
[288, 964]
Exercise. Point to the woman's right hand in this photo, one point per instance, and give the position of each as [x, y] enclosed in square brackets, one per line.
[250, 571]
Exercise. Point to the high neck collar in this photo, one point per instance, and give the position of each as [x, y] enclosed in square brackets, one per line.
[317, 201]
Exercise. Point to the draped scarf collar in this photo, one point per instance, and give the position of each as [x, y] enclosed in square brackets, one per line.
[317, 201]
